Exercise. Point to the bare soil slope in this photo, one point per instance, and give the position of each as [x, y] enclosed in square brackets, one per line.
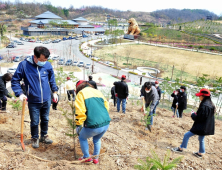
[125, 142]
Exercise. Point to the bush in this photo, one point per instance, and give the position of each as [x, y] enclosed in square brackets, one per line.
[50, 61]
[212, 49]
[127, 64]
[131, 72]
[200, 47]
[116, 68]
[143, 74]
[190, 46]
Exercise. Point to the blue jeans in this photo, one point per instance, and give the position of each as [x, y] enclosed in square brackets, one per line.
[119, 100]
[186, 139]
[174, 109]
[37, 110]
[97, 134]
[154, 109]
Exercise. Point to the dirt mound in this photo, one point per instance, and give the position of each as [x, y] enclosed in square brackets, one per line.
[124, 143]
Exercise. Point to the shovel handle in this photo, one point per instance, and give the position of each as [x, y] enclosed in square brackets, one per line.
[144, 106]
[23, 115]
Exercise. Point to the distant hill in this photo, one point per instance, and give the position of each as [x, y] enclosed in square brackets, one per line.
[97, 13]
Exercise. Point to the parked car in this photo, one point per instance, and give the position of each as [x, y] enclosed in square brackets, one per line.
[97, 33]
[31, 40]
[59, 40]
[22, 39]
[18, 58]
[10, 46]
[38, 41]
[75, 63]
[1, 57]
[55, 41]
[55, 58]
[61, 61]
[45, 42]
[81, 64]
[64, 38]
[87, 66]
[20, 43]
[50, 57]
[68, 62]
[11, 70]
[84, 36]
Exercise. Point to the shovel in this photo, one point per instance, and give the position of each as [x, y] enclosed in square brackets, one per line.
[144, 107]
[22, 123]
[176, 111]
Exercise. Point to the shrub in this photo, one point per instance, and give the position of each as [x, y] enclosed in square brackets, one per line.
[190, 46]
[143, 74]
[116, 68]
[50, 61]
[155, 162]
[127, 64]
[200, 47]
[131, 72]
[212, 48]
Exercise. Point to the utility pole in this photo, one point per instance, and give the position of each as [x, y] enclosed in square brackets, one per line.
[172, 73]
[92, 59]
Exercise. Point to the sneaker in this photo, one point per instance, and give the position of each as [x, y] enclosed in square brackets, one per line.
[197, 154]
[46, 140]
[35, 142]
[149, 127]
[87, 160]
[172, 116]
[177, 149]
[95, 161]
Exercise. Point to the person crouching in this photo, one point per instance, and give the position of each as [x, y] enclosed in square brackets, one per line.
[92, 118]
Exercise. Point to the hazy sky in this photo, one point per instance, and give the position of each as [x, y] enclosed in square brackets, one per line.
[141, 5]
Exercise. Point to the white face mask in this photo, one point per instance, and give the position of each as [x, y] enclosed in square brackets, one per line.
[157, 85]
[147, 91]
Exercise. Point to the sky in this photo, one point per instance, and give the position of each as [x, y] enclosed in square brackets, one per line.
[140, 5]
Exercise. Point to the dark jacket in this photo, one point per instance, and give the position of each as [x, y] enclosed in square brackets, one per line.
[3, 90]
[182, 101]
[150, 98]
[113, 92]
[121, 89]
[175, 100]
[159, 92]
[204, 120]
[93, 83]
[39, 81]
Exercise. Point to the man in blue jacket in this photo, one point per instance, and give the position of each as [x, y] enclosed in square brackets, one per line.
[39, 81]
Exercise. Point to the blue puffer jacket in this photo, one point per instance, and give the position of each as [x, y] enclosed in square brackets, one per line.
[39, 81]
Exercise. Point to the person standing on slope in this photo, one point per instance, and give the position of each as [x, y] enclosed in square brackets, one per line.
[204, 123]
[39, 80]
[93, 83]
[182, 101]
[150, 95]
[175, 100]
[122, 92]
[70, 89]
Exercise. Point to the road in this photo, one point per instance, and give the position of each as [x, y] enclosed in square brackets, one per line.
[63, 49]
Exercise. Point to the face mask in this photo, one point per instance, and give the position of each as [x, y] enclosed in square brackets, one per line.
[157, 85]
[41, 63]
[147, 91]
[181, 91]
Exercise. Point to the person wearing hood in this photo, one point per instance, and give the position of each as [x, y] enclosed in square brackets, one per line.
[182, 101]
[150, 95]
[39, 81]
[204, 123]
[3, 91]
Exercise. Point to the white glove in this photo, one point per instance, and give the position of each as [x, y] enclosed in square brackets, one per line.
[55, 97]
[22, 96]
[177, 104]
[142, 97]
[13, 98]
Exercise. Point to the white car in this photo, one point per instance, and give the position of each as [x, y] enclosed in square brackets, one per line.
[11, 70]
[46, 42]
[87, 66]
[81, 64]
[75, 63]
[38, 41]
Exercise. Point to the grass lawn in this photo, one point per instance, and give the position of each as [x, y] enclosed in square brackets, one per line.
[165, 58]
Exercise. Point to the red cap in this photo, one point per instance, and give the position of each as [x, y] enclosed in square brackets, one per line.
[68, 78]
[123, 76]
[79, 82]
[203, 92]
[156, 82]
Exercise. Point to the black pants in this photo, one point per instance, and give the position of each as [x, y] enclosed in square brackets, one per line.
[69, 93]
[3, 103]
[115, 101]
[54, 105]
[180, 111]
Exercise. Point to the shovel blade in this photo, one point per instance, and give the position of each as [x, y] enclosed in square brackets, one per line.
[22, 143]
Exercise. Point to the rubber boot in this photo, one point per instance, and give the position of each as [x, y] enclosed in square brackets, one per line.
[4, 103]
